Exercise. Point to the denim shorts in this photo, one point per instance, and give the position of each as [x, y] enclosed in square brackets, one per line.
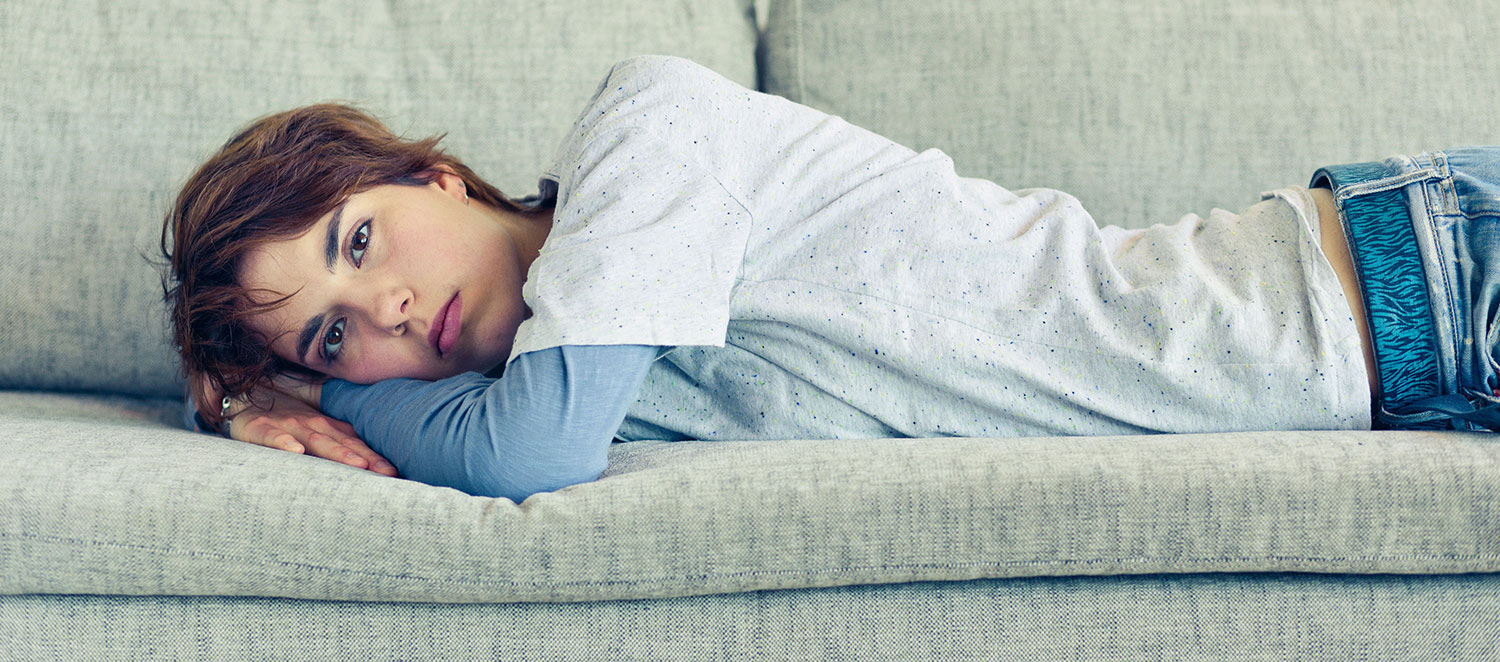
[1424, 232]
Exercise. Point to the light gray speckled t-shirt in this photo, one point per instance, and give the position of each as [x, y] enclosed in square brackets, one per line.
[821, 281]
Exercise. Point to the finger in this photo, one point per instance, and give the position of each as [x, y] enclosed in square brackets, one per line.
[373, 460]
[262, 430]
[336, 429]
[285, 441]
[328, 447]
[376, 462]
[342, 426]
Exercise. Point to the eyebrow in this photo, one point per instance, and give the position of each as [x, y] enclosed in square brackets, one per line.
[330, 255]
[331, 244]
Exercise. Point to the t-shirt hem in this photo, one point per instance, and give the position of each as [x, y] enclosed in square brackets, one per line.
[1324, 287]
[674, 332]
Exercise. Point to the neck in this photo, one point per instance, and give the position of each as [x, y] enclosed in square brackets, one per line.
[528, 231]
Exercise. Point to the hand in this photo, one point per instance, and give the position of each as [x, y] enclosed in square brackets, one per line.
[310, 393]
[293, 425]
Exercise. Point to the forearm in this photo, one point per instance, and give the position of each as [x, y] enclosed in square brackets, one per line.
[546, 424]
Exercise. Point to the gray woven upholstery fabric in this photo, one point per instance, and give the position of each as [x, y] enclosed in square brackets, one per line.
[1242, 617]
[123, 537]
[1147, 110]
[108, 107]
[694, 518]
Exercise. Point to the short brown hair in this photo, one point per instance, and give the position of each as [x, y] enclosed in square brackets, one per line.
[273, 182]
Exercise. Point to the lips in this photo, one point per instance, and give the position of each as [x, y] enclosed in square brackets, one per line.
[442, 334]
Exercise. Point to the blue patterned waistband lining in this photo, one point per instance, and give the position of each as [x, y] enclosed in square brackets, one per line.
[1386, 258]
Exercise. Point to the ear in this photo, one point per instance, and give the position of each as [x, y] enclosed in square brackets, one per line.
[449, 182]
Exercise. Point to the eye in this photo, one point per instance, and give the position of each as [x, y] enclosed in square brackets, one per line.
[333, 341]
[359, 242]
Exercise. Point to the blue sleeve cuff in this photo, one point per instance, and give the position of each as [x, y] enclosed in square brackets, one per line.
[194, 421]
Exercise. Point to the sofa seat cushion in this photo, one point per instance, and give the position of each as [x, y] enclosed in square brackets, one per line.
[102, 497]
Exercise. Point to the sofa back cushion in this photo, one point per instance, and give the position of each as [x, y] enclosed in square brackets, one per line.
[1147, 110]
[107, 108]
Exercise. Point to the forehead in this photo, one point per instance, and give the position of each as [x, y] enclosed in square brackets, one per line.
[294, 267]
[283, 265]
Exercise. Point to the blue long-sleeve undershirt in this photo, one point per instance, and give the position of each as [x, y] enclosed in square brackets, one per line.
[545, 424]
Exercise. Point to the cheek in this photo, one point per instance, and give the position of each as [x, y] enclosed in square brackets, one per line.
[387, 362]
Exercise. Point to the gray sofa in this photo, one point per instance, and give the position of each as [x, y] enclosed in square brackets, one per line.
[123, 536]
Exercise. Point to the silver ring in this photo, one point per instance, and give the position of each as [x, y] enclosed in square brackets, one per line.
[224, 415]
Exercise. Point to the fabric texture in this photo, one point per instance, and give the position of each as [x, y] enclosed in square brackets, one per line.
[824, 282]
[696, 518]
[1261, 617]
[646, 243]
[1146, 110]
[97, 142]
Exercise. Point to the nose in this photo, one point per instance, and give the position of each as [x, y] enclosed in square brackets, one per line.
[388, 310]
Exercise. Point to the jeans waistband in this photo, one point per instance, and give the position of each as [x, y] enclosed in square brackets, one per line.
[1384, 248]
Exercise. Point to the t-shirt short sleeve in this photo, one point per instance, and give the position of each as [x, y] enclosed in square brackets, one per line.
[645, 248]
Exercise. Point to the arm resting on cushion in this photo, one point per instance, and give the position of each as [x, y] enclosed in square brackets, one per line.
[545, 424]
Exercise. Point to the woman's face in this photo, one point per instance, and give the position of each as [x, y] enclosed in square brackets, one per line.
[399, 281]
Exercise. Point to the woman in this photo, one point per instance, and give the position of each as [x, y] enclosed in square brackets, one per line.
[708, 262]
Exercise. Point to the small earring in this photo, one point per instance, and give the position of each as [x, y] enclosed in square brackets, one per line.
[466, 196]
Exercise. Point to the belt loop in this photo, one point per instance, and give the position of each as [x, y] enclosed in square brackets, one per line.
[1445, 185]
